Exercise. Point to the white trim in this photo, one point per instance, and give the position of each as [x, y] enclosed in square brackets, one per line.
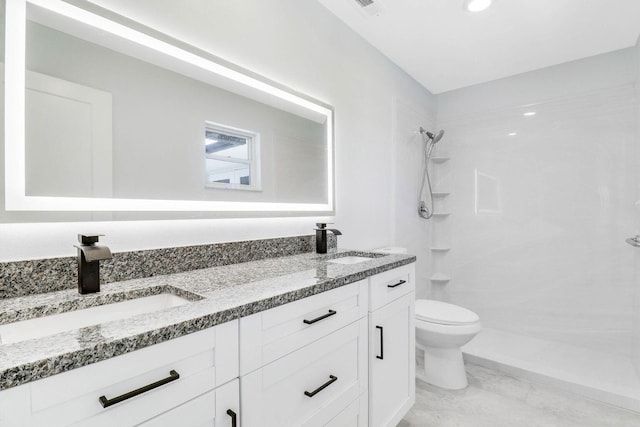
[15, 196]
[14, 102]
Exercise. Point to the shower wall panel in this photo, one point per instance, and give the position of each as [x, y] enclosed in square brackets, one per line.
[411, 231]
[542, 202]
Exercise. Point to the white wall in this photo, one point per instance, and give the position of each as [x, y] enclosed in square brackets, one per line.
[302, 45]
[552, 263]
[568, 79]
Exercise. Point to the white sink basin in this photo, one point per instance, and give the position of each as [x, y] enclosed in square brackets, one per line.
[350, 260]
[48, 325]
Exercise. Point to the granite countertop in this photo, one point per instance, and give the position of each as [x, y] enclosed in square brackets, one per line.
[216, 295]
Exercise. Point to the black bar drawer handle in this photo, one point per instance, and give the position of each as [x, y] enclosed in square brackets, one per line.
[332, 379]
[173, 375]
[317, 319]
[234, 418]
[401, 282]
[381, 357]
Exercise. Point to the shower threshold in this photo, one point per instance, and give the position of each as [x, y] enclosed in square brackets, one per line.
[601, 376]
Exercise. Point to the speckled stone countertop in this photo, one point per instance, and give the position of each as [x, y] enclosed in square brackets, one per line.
[216, 295]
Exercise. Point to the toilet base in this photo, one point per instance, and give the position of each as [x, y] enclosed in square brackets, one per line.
[443, 367]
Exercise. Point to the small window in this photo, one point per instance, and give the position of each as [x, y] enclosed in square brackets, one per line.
[231, 158]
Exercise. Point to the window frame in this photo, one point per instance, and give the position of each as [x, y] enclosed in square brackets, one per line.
[253, 154]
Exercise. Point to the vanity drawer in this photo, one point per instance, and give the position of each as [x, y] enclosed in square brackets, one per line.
[390, 285]
[202, 361]
[272, 334]
[322, 378]
[354, 415]
[209, 410]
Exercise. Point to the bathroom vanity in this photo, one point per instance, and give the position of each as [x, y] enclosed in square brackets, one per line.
[293, 340]
[307, 340]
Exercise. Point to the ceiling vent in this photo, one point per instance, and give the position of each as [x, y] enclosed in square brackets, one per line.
[369, 7]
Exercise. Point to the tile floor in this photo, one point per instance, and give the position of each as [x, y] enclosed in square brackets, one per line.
[494, 399]
[599, 375]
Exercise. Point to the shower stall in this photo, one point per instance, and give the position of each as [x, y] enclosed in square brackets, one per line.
[541, 188]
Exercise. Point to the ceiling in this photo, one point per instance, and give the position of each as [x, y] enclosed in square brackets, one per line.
[444, 47]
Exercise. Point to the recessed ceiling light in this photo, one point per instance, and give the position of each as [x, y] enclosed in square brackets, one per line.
[529, 113]
[512, 134]
[476, 5]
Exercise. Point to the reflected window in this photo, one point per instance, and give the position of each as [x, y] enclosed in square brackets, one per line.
[231, 158]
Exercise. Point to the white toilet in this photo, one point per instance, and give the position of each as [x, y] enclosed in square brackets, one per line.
[441, 329]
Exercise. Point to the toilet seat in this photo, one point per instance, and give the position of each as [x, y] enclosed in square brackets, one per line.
[443, 313]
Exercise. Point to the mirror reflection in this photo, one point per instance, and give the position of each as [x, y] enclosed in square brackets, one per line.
[106, 117]
[103, 123]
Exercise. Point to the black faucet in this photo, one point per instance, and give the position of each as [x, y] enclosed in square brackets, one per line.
[321, 236]
[89, 256]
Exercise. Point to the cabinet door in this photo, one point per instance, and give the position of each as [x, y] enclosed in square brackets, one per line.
[391, 362]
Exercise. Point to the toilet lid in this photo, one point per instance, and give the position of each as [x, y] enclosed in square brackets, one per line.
[443, 313]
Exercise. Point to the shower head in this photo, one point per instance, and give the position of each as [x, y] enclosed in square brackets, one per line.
[434, 138]
[437, 137]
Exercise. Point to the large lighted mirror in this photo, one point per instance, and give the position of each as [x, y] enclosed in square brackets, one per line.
[104, 115]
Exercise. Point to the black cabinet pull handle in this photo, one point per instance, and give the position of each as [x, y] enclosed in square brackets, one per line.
[381, 357]
[234, 417]
[401, 282]
[173, 375]
[317, 319]
[332, 379]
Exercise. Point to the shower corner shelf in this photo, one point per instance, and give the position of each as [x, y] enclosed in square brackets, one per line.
[440, 249]
[442, 214]
[440, 159]
[439, 277]
[441, 193]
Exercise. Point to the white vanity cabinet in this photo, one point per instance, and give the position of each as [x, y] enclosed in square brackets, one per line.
[305, 363]
[391, 346]
[340, 358]
[352, 349]
[195, 374]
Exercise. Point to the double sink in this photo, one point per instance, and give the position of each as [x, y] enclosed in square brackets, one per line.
[51, 324]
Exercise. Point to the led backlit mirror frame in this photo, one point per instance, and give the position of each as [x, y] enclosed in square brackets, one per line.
[16, 198]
